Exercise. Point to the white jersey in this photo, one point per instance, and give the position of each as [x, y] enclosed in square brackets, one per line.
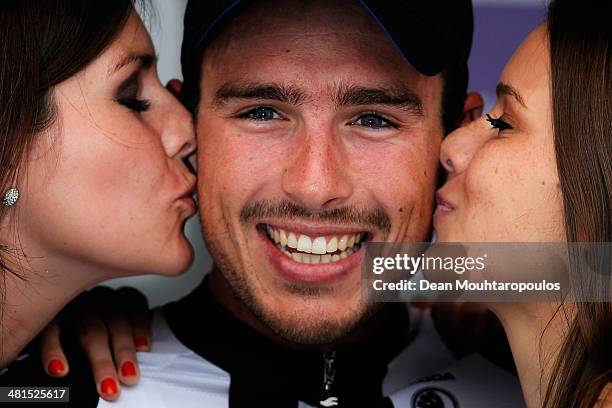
[425, 374]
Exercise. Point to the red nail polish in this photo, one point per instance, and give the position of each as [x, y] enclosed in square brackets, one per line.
[141, 341]
[108, 386]
[128, 369]
[56, 367]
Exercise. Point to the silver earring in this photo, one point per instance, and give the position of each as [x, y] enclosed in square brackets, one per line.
[10, 197]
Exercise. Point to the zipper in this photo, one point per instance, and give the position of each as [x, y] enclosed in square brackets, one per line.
[328, 397]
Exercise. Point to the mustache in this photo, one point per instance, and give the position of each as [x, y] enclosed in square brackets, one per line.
[346, 215]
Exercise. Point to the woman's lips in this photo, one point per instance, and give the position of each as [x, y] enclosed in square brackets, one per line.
[443, 207]
[187, 198]
[188, 202]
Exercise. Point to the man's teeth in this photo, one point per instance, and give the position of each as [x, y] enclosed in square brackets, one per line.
[315, 250]
[317, 259]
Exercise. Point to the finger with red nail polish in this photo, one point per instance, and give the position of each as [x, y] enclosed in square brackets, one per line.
[51, 353]
[109, 389]
[94, 339]
[128, 369]
[135, 305]
[56, 368]
[141, 343]
[123, 348]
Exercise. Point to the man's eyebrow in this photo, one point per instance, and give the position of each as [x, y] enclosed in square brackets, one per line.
[400, 96]
[254, 90]
[505, 89]
[146, 59]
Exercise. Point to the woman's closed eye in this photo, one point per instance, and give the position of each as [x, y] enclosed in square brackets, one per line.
[498, 123]
[136, 105]
[127, 95]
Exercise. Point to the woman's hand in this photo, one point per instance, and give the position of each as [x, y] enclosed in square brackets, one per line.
[111, 326]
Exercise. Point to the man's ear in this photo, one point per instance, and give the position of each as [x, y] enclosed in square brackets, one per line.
[473, 105]
[175, 86]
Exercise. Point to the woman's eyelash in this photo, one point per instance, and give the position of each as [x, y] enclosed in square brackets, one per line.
[498, 123]
[127, 94]
[137, 105]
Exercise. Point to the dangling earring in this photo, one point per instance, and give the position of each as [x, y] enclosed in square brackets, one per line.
[10, 197]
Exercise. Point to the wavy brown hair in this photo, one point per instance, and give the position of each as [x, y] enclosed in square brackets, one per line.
[581, 75]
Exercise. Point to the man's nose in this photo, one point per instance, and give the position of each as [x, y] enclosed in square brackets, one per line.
[318, 174]
[459, 147]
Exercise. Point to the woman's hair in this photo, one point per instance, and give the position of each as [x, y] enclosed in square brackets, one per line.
[581, 80]
[44, 42]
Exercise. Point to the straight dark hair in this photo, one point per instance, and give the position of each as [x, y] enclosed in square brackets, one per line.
[44, 42]
[581, 81]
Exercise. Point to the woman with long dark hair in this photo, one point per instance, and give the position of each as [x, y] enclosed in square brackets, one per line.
[92, 147]
[538, 168]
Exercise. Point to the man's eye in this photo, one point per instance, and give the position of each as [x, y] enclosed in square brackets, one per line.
[373, 121]
[261, 114]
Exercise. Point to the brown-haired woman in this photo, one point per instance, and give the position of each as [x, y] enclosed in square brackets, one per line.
[538, 168]
[93, 181]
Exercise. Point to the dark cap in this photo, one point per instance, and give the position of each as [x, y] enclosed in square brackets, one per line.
[430, 34]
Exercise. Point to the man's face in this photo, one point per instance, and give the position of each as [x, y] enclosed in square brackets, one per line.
[315, 135]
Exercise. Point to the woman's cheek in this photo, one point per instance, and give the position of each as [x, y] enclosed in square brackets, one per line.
[489, 185]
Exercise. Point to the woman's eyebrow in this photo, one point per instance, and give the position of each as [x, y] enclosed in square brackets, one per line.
[505, 89]
[146, 59]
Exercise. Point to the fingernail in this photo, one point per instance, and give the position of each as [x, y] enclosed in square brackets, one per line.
[108, 386]
[128, 369]
[141, 341]
[56, 367]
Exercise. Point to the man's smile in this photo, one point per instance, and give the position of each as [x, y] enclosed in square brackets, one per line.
[315, 249]
[313, 254]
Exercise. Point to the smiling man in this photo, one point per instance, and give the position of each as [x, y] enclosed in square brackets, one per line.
[319, 126]
[315, 135]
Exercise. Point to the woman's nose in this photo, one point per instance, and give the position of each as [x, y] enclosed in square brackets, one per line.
[178, 136]
[459, 148]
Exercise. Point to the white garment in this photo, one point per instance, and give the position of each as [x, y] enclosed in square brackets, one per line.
[172, 376]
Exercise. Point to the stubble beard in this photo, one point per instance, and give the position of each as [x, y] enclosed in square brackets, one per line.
[293, 328]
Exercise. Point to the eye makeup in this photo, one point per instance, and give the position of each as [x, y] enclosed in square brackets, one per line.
[498, 123]
[127, 94]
